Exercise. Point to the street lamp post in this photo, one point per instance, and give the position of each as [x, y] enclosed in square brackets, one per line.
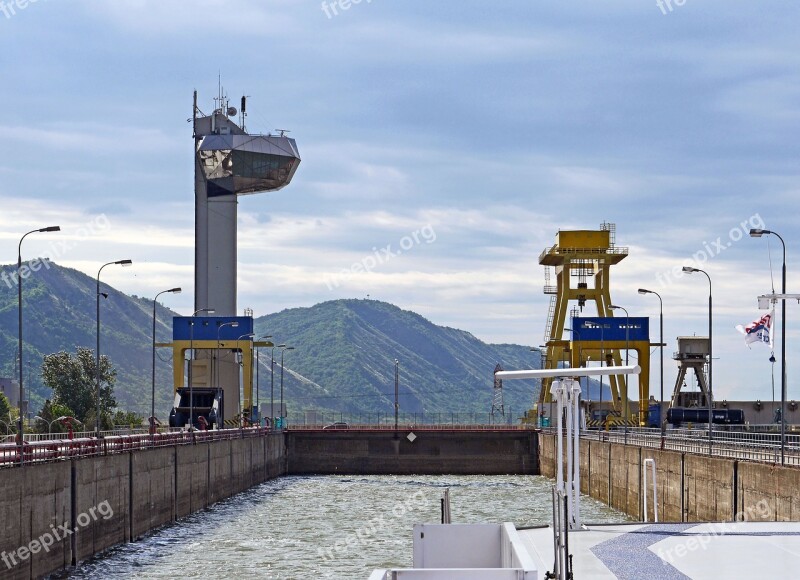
[123, 263]
[258, 384]
[283, 350]
[602, 362]
[153, 393]
[627, 344]
[241, 391]
[272, 384]
[580, 355]
[220, 325]
[50, 423]
[690, 270]
[396, 392]
[661, 348]
[191, 358]
[757, 233]
[20, 433]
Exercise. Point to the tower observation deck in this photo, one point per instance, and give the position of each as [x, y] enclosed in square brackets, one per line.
[229, 162]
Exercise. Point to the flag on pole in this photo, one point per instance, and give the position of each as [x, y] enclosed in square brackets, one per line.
[759, 331]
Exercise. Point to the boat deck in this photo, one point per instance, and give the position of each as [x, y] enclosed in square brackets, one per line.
[675, 551]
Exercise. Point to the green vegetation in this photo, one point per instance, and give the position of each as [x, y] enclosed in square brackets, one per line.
[5, 411]
[49, 415]
[345, 353]
[73, 380]
[344, 357]
[59, 315]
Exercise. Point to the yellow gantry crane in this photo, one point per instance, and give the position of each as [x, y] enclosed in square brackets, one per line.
[581, 261]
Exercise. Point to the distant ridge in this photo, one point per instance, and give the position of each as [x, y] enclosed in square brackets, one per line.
[344, 357]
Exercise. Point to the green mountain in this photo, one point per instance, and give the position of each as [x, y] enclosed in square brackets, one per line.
[343, 358]
[59, 309]
[345, 353]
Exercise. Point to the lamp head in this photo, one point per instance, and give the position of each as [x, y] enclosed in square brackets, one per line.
[643, 291]
[174, 290]
[234, 324]
[51, 229]
[289, 348]
[689, 269]
[265, 336]
[757, 232]
[614, 307]
[104, 294]
[124, 263]
[281, 346]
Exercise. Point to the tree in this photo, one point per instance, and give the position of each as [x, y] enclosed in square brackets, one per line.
[49, 413]
[5, 414]
[72, 378]
[127, 419]
[5, 407]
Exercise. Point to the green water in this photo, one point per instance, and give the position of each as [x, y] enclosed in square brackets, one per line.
[326, 526]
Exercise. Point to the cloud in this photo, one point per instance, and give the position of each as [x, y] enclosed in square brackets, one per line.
[497, 126]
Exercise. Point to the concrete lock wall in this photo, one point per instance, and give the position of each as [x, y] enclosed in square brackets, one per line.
[690, 487]
[30, 501]
[431, 453]
[767, 493]
[107, 500]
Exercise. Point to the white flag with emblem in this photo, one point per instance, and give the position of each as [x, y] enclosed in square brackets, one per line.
[759, 331]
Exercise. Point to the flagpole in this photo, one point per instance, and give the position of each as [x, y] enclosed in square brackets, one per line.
[757, 233]
[783, 356]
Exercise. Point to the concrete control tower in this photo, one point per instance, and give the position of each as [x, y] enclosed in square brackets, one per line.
[229, 162]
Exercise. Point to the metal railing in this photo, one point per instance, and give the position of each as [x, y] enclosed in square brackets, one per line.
[734, 443]
[314, 418]
[405, 427]
[562, 251]
[11, 454]
[85, 434]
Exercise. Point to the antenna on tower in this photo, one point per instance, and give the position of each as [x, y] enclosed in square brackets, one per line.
[243, 112]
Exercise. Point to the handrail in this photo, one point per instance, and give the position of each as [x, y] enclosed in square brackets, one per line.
[755, 446]
[58, 449]
[408, 427]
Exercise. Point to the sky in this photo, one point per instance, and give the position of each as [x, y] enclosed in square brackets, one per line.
[443, 146]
